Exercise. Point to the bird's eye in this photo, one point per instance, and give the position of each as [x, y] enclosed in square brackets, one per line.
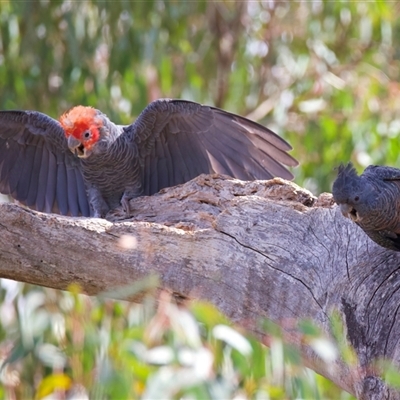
[356, 198]
[86, 135]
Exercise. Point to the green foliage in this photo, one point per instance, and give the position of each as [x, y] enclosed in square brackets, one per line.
[66, 342]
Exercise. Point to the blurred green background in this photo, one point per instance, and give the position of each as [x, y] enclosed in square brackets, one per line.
[323, 74]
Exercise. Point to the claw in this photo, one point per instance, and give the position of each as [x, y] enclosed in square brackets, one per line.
[125, 205]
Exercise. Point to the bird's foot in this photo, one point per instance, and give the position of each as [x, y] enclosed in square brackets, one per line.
[99, 206]
[125, 204]
[100, 212]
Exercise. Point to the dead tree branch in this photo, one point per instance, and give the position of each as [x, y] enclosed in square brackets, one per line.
[256, 250]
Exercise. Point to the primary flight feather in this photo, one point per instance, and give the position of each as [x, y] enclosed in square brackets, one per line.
[84, 164]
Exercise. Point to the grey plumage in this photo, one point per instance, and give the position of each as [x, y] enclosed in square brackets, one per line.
[86, 165]
[372, 201]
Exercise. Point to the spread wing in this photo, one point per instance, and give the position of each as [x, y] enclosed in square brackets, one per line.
[36, 166]
[178, 140]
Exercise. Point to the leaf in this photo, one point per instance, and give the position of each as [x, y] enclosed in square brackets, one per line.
[233, 339]
[52, 383]
[51, 355]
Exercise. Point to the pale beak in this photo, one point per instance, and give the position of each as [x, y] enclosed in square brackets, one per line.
[76, 147]
[349, 212]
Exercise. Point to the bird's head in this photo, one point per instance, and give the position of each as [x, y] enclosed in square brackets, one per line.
[83, 128]
[353, 194]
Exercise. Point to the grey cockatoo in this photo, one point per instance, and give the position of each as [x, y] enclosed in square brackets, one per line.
[84, 164]
[372, 201]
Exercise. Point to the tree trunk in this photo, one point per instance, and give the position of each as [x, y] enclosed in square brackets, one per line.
[264, 249]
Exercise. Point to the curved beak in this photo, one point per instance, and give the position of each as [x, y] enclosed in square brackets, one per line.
[345, 209]
[348, 211]
[76, 147]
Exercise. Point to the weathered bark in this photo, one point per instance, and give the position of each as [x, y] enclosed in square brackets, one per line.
[255, 249]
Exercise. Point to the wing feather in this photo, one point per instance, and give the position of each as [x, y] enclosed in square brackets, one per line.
[34, 183]
[14, 169]
[163, 156]
[180, 168]
[5, 165]
[42, 180]
[193, 150]
[62, 188]
[36, 166]
[51, 184]
[152, 168]
[84, 207]
[230, 166]
[178, 140]
[72, 192]
[26, 167]
[235, 153]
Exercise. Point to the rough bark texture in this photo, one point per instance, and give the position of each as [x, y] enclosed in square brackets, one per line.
[254, 249]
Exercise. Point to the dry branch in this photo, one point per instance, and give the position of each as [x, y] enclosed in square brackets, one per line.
[263, 249]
